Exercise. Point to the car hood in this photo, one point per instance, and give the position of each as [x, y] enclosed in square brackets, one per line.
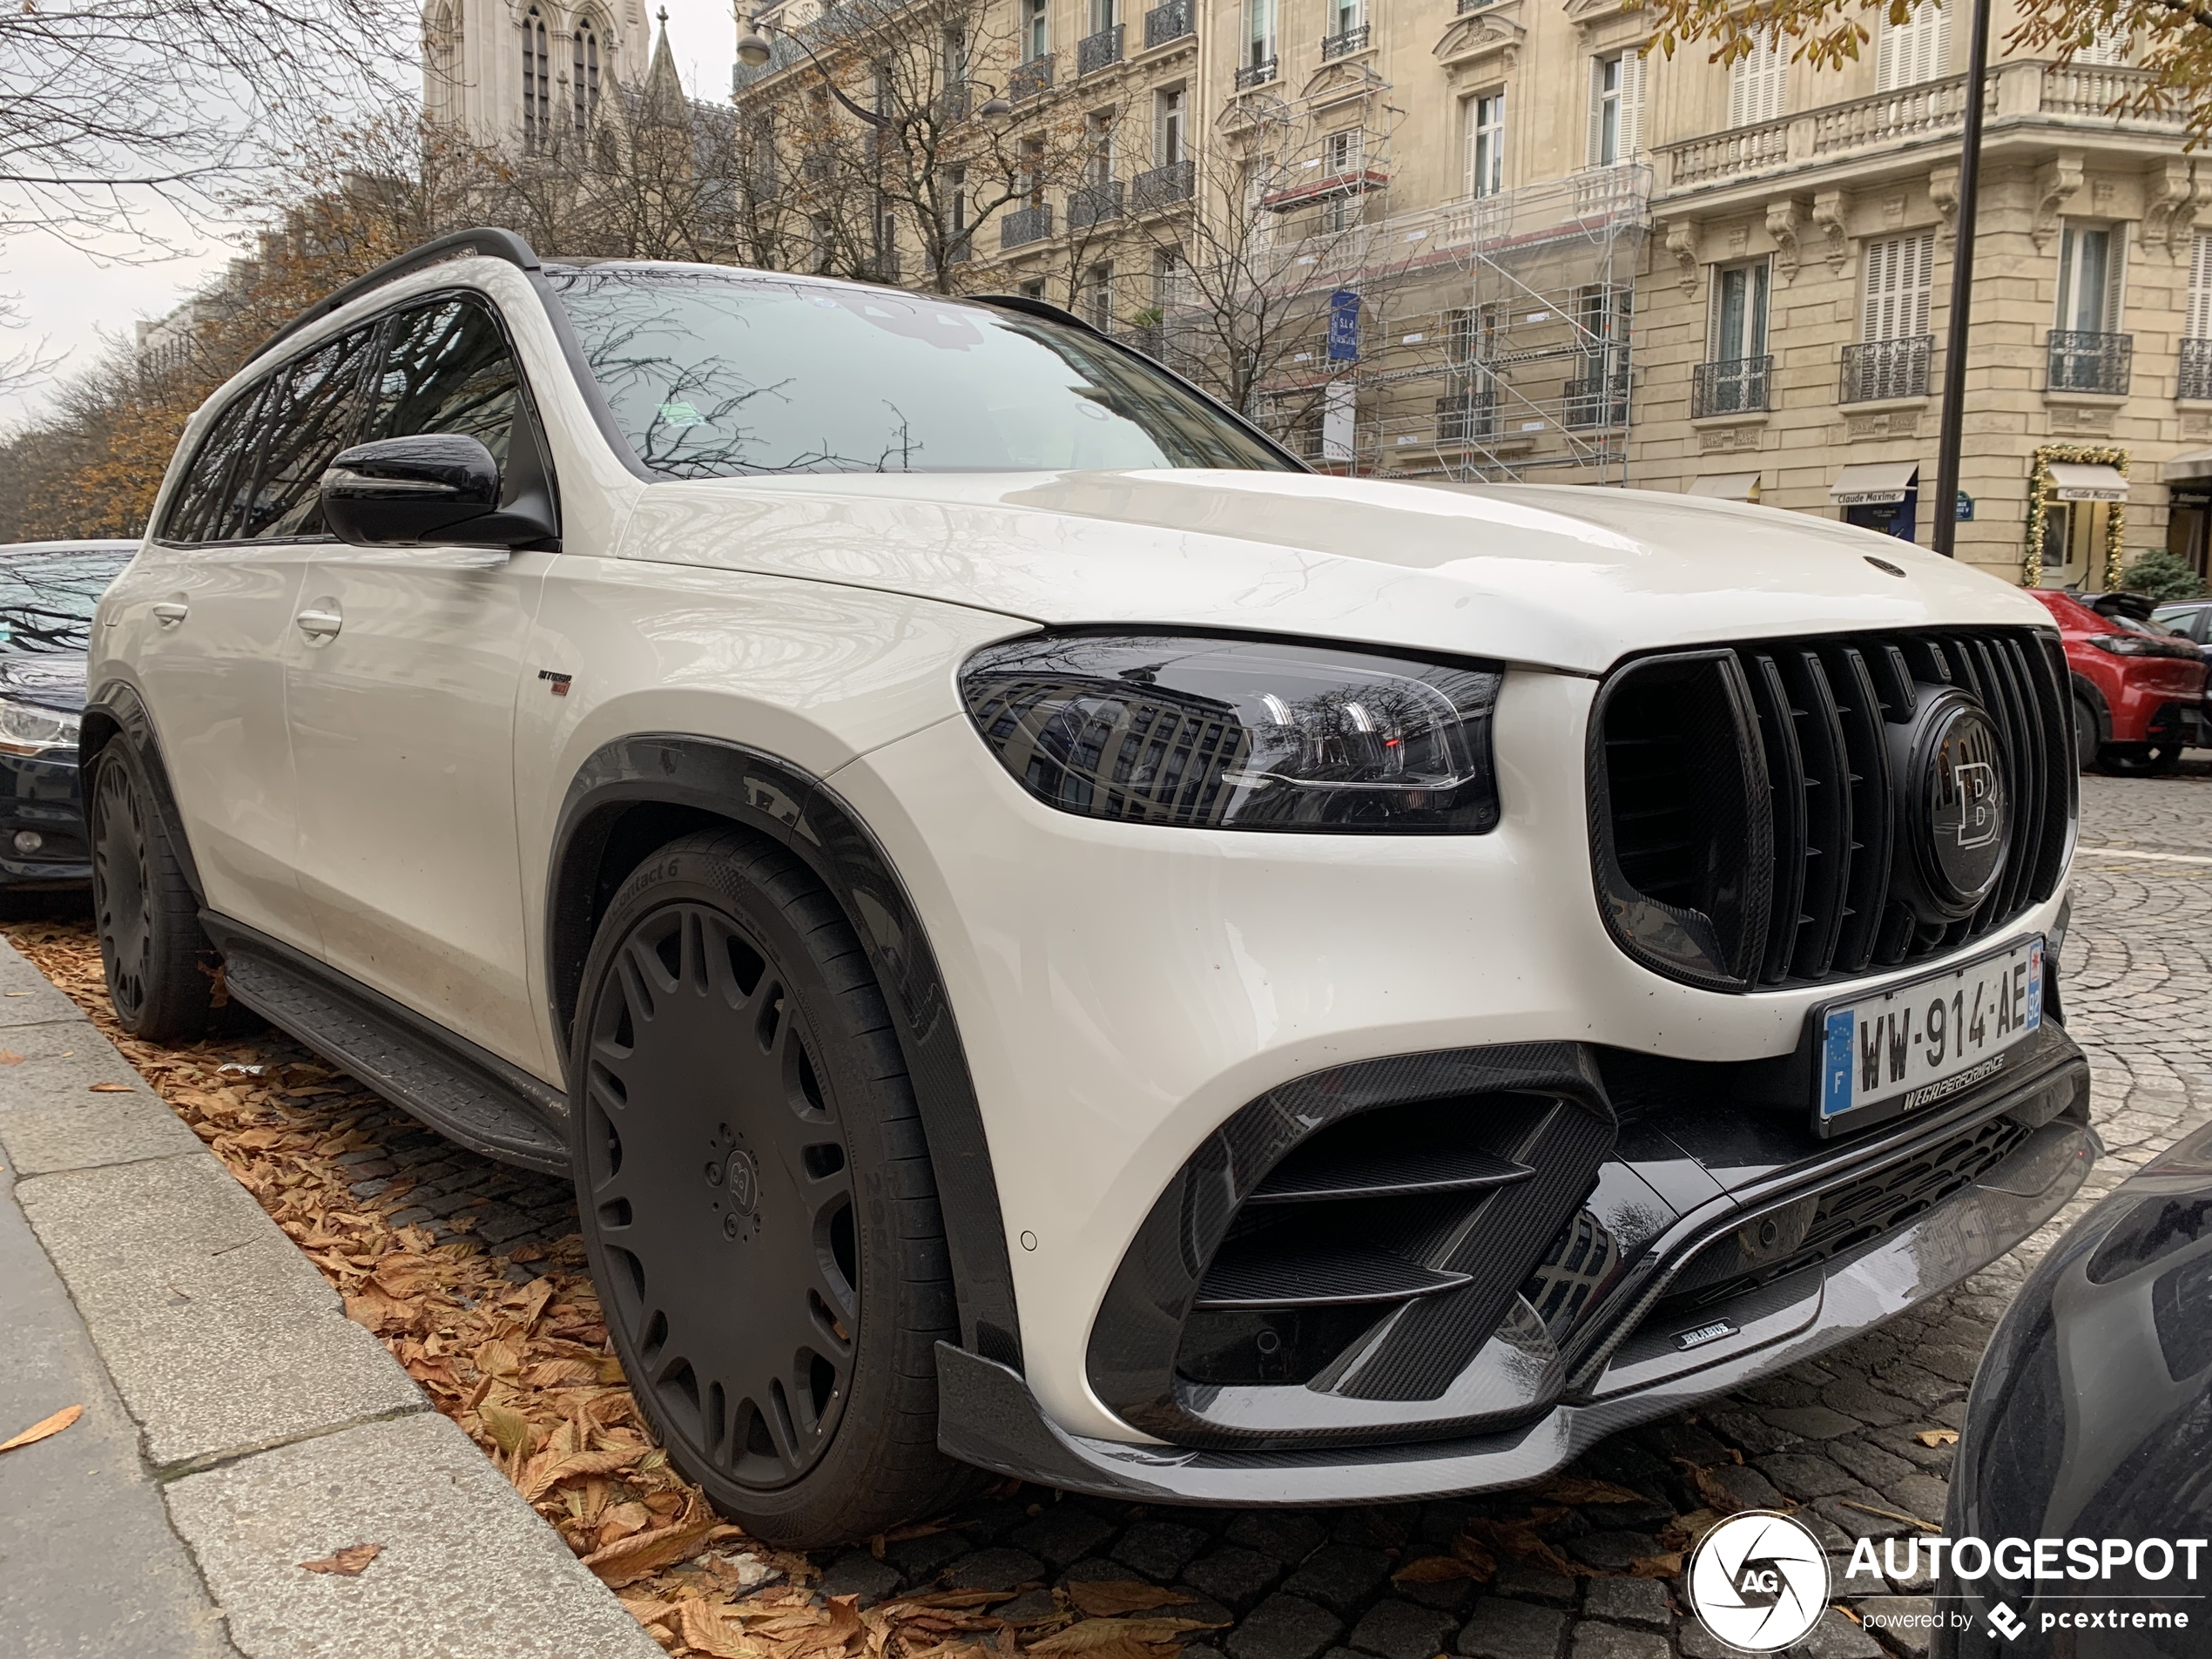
[1568, 576]
[52, 682]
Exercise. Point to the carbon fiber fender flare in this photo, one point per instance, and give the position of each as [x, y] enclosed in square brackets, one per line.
[680, 781]
[117, 712]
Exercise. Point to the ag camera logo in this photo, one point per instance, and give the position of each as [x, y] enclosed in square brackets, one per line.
[1759, 1581]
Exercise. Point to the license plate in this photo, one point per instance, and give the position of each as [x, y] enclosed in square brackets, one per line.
[1922, 1044]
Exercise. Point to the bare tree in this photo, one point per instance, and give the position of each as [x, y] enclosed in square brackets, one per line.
[105, 104]
[895, 109]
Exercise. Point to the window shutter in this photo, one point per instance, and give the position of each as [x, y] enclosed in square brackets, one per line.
[1911, 52]
[1899, 275]
[1631, 104]
[2115, 278]
[1756, 85]
[1470, 111]
[1594, 141]
[1922, 281]
[1881, 276]
[2200, 317]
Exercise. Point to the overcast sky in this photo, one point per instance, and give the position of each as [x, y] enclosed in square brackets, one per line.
[70, 298]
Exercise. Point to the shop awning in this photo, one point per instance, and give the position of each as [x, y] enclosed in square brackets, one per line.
[2190, 466]
[1726, 486]
[2078, 483]
[1872, 482]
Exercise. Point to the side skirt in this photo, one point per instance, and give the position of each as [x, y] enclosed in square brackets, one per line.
[465, 1093]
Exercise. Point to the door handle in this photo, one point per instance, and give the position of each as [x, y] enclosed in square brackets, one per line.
[319, 624]
[170, 612]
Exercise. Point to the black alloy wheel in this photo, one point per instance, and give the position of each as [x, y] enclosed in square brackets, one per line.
[755, 1196]
[161, 970]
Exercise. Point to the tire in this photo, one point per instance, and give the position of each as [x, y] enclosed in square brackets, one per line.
[756, 1195]
[2085, 735]
[161, 970]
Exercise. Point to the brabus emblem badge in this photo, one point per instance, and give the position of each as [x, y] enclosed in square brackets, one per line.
[1978, 822]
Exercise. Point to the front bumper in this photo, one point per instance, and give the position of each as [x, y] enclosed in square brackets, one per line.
[1631, 1367]
[42, 793]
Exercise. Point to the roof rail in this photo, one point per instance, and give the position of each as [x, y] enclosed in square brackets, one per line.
[486, 239]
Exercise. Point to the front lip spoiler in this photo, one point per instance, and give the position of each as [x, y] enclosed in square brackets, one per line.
[987, 1416]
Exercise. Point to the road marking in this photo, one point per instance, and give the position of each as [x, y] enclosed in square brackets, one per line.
[2131, 853]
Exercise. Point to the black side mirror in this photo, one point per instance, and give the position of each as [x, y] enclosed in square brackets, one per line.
[438, 487]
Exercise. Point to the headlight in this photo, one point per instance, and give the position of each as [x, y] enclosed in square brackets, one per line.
[1239, 734]
[2143, 646]
[26, 729]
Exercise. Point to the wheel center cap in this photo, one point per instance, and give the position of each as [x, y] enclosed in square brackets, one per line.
[742, 1181]
[732, 1185]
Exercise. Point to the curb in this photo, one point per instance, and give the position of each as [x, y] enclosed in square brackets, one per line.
[276, 1430]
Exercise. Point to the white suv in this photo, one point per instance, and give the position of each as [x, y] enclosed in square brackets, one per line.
[1052, 937]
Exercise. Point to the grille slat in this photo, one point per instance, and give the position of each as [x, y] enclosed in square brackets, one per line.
[1766, 847]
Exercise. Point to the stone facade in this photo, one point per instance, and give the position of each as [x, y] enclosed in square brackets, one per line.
[1579, 262]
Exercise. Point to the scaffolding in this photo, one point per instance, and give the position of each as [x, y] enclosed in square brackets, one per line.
[1496, 336]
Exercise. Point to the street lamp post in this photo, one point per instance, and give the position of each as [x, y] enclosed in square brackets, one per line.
[1962, 284]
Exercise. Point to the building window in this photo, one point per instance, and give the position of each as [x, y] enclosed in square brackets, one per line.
[956, 65]
[1485, 145]
[1259, 33]
[1098, 147]
[1345, 16]
[1733, 378]
[584, 80]
[2107, 45]
[1104, 13]
[1757, 83]
[2089, 278]
[1029, 181]
[537, 81]
[1098, 296]
[1033, 288]
[1911, 52]
[1036, 35]
[1168, 117]
[1167, 278]
[1343, 153]
[956, 204]
[1900, 275]
[1616, 108]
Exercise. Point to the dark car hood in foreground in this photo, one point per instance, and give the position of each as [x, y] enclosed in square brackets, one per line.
[2091, 1417]
[52, 682]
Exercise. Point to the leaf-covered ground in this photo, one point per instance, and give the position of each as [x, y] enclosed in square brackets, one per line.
[507, 1339]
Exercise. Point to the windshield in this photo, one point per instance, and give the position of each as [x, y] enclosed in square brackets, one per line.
[714, 373]
[46, 598]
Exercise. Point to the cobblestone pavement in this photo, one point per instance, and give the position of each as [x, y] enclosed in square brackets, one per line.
[1837, 1439]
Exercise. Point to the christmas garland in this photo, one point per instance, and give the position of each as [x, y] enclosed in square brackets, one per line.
[2038, 496]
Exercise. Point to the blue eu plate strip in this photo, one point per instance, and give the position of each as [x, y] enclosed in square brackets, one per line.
[1835, 1063]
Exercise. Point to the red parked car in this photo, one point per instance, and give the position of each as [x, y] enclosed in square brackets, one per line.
[2138, 690]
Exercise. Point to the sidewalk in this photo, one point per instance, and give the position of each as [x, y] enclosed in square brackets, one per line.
[236, 1423]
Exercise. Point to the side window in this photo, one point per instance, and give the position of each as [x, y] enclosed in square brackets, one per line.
[308, 415]
[205, 508]
[446, 369]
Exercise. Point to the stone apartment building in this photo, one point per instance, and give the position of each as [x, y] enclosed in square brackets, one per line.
[1509, 244]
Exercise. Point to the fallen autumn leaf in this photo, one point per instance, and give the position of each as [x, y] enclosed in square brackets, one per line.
[43, 1427]
[10, 1057]
[346, 1563]
[111, 1089]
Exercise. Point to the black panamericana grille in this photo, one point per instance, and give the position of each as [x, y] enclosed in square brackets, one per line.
[1746, 825]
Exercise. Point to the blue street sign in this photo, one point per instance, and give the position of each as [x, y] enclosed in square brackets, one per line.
[1344, 327]
[1965, 507]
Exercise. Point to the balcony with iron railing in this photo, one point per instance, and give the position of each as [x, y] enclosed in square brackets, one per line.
[1344, 42]
[2085, 360]
[1024, 226]
[1467, 418]
[1101, 50]
[1599, 398]
[1875, 370]
[2062, 94]
[1257, 73]
[1032, 79]
[1735, 386]
[1163, 186]
[2195, 379]
[1096, 203]
[1171, 22]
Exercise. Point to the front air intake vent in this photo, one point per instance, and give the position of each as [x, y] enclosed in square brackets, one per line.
[1356, 1236]
[1768, 815]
